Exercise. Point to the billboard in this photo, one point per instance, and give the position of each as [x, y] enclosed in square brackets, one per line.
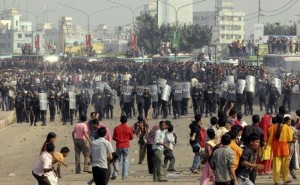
[258, 33]
[78, 45]
[215, 37]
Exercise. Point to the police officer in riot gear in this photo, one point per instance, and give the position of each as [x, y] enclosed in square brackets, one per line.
[83, 101]
[35, 109]
[249, 103]
[65, 111]
[274, 95]
[197, 99]
[140, 101]
[133, 94]
[261, 93]
[287, 92]
[98, 102]
[240, 100]
[185, 100]
[28, 107]
[209, 98]
[164, 106]
[109, 104]
[19, 106]
[52, 99]
[147, 102]
[43, 113]
[176, 96]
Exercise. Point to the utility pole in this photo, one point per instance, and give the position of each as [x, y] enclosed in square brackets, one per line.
[259, 10]
[216, 19]
[257, 48]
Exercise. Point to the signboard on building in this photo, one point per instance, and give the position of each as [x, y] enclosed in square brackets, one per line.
[258, 33]
[215, 37]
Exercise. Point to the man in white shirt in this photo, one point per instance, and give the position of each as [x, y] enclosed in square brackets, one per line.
[43, 166]
[101, 152]
[158, 149]
[170, 141]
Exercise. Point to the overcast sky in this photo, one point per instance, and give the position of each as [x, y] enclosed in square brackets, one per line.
[121, 16]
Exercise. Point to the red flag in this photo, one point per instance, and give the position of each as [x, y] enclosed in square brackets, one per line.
[88, 41]
[133, 41]
[37, 42]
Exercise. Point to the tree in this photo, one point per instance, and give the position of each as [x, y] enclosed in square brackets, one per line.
[277, 29]
[146, 28]
[150, 35]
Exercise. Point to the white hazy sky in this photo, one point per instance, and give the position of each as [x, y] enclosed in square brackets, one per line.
[121, 16]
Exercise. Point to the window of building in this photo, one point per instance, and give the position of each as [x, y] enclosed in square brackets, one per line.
[19, 45]
[222, 27]
[19, 36]
[8, 45]
[222, 36]
[8, 36]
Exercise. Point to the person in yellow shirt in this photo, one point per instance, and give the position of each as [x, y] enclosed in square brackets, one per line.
[279, 137]
[58, 157]
[237, 150]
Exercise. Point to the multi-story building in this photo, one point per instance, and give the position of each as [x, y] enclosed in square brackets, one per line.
[14, 32]
[170, 10]
[229, 24]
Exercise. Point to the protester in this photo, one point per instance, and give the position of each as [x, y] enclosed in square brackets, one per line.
[150, 152]
[235, 147]
[248, 161]
[195, 127]
[122, 135]
[279, 136]
[102, 152]
[141, 129]
[51, 138]
[158, 158]
[222, 163]
[80, 137]
[58, 157]
[170, 141]
[42, 169]
[207, 174]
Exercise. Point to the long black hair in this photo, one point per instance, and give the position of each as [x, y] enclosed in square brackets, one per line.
[279, 118]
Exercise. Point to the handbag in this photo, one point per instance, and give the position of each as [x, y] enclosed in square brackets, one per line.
[266, 153]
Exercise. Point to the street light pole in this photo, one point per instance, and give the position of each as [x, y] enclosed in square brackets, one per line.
[36, 22]
[176, 16]
[88, 16]
[133, 22]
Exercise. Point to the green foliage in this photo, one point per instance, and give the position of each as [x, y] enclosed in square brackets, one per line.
[150, 35]
[277, 29]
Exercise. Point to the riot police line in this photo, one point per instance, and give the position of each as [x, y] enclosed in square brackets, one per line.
[69, 90]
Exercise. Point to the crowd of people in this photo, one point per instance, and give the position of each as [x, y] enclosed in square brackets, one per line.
[251, 150]
[109, 80]
[269, 143]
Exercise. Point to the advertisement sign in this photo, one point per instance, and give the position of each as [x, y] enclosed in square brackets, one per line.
[37, 42]
[133, 41]
[88, 41]
[176, 39]
[258, 33]
[215, 37]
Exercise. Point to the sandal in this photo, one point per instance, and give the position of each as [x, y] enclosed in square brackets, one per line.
[194, 171]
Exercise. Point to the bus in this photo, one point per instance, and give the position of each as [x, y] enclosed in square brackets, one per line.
[288, 63]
